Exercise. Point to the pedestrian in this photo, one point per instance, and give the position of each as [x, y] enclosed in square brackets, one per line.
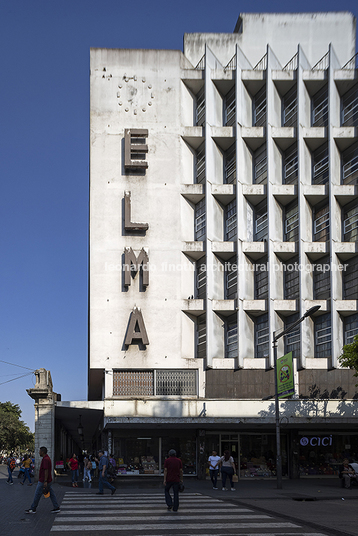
[26, 464]
[11, 464]
[173, 477]
[214, 462]
[102, 468]
[228, 469]
[347, 473]
[87, 469]
[44, 484]
[94, 470]
[73, 465]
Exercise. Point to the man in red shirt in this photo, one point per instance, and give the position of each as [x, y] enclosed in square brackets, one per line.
[173, 476]
[44, 484]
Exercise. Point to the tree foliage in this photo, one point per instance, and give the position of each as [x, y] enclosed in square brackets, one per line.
[14, 432]
[349, 357]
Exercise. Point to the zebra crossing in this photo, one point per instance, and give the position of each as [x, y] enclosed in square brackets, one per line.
[144, 514]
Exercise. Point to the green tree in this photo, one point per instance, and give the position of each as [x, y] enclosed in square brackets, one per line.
[14, 432]
[349, 357]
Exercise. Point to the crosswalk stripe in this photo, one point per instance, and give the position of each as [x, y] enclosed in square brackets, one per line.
[207, 516]
[170, 526]
[70, 512]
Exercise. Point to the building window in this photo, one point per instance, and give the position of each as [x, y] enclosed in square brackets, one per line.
[231, 345]
[323, 336]
[292, 339]
[291, 279]
[291, 222]
[231, 221]
[320, 170]
[259, 108]
[320, 108]
[350, 327]
[350, 222]
[321, 279]
[230, 108]
[261, 336]
[290, 165]
[200, 220]
[175, 382]
[350, 279]
[261, 279]
[260, 165]
[321, 223]
[200, 164]
[289, 108]
[260, 221]
[200, 274]
[231, 279]
[133, 383]
[200, 108]
[349, 116]
[230, 165]
[350, 165]
[201, 336]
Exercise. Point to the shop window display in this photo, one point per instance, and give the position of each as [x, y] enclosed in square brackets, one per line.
[258, 458]
[185, 446]
[322, 454]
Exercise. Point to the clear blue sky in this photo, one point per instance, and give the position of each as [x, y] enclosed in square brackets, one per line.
[44, 147]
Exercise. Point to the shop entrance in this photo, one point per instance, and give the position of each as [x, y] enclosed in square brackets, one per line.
[230, 442]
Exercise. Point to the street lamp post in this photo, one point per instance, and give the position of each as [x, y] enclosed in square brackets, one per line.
[277, 336]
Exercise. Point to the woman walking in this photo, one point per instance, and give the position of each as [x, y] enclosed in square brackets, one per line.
[26, 464]
[228, 469]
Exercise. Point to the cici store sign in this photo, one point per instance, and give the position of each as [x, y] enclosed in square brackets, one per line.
[316, 441]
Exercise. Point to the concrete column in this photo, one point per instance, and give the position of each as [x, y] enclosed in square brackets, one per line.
[45, 402]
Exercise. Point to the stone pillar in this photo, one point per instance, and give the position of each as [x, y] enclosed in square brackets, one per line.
[45, 402]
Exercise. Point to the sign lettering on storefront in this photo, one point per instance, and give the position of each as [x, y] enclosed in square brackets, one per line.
[134, 158]
[316, 441]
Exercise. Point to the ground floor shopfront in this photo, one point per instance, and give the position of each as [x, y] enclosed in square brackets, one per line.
[305, 452]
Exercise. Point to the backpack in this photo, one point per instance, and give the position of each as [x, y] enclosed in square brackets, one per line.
[94, 465]
[12, 464]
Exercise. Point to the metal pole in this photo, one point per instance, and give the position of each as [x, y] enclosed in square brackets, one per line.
[277, 413]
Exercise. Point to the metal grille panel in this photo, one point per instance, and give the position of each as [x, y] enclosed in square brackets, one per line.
[176, 382]
[133, 383]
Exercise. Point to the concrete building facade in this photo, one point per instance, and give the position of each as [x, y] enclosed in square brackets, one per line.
[223, 205]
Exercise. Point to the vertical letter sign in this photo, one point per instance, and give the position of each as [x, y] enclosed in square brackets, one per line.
[285, 379]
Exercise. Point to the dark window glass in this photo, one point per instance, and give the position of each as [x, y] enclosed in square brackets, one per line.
[261, 336]
[350, 108]
[230, 165]
[200, 273]
[231, 345]
[260, 165]
[291, 279]
[201, 336]
[323, 337]
[350, 279]
[320, 108]
[321, 279]
[350, 328]
[259, 108]
[231, 279]
[200, 164]
[292, 339]
[200, 220]
[350, 222]
[261, 279]
[320, 170]
[260, 221]
[350, 165]
[231, 221]
[290, 227]
[290, 165]
[200, 108]
[289, 108]
[321, 223]
[229, 108]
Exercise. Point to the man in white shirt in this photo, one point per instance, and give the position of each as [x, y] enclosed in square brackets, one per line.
[213, 462]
